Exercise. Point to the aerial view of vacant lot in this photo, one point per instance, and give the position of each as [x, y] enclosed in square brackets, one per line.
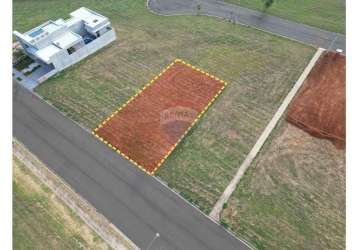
[324, 14]
[292, 195]
[259, 69]
[185, 93]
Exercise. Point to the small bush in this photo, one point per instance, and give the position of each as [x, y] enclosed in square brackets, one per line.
[225, 205]
[224, 224]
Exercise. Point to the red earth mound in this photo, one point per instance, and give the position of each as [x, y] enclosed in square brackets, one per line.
[320, 106]
[150, 125]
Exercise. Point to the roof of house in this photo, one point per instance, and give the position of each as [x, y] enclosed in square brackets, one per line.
[67, 40]
[43, 29]
[46, 53]
[91, 18]
[51, 37]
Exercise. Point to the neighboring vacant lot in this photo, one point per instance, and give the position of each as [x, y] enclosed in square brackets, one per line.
[324, 14]
[293, 195]
[149, 127]
[259, 68]
[41, 221]
[320, 106]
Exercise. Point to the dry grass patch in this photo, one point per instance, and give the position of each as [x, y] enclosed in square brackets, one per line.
[42, 221]
[293, 195]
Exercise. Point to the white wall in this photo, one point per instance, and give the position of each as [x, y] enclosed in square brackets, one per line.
[63, 60]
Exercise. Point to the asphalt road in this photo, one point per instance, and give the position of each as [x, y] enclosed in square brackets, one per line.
[135, 202]
[282, 27]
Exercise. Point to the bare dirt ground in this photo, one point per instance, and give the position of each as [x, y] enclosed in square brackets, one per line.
[293, 196]
[320, 108]
[150, 125]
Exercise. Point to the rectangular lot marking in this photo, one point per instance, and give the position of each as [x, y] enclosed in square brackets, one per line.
[147, 128]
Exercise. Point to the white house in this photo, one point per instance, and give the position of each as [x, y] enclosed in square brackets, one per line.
[56, 45]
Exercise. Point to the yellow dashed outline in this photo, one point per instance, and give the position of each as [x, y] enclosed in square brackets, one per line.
[138, 93]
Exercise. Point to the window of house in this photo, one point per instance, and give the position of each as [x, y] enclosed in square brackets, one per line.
[71, 50]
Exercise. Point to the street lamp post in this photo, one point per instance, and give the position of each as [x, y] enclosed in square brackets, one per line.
[157, 235]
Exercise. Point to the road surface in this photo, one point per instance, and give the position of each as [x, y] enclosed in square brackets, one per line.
[135, 202]
[256, 19]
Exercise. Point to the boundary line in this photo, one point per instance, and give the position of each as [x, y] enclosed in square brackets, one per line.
[151, 82]
[215, 212]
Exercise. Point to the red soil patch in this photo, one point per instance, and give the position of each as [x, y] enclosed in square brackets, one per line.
[151, 124]
[320, 107]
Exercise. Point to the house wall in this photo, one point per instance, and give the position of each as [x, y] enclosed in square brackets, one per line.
[79, 45]
[26, 51]
[104, 29]
[44, 42]
[77, 27]
[27, 47]
[46, 76]
[93, 30]
[63, 60]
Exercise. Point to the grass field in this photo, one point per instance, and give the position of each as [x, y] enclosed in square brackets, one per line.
[293, 195]
[259, 68]
[324, 14]
[41, 221]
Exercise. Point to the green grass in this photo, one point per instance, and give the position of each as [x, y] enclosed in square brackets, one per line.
[42, 222]
[293, 195]
[260, 70]
[324, 14]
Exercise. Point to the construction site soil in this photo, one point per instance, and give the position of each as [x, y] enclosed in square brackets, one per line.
[151, 124]
[320, 106]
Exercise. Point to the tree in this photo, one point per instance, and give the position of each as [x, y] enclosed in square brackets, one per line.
[267, 3]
